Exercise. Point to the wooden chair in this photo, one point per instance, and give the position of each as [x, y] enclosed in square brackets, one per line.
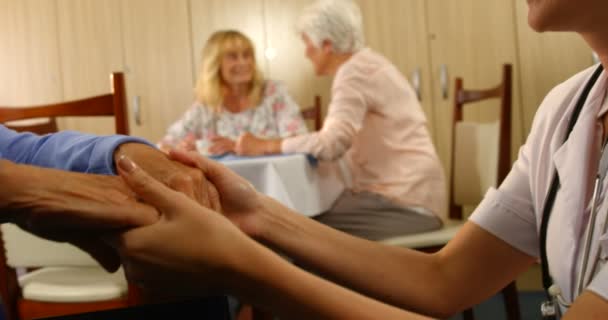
[59, 278]
[475, 168]
[111, 104]
[313, 113]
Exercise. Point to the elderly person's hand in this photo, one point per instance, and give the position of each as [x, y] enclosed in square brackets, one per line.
[191, 248]
[70, 207]
[221, 145]
[249, 145]
[171, 173]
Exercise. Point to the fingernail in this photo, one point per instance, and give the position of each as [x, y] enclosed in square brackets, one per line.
[126, 164]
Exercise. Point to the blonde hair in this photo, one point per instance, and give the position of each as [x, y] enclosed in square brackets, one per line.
[210, 88]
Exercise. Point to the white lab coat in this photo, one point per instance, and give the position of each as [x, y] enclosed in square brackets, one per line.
[513, 212]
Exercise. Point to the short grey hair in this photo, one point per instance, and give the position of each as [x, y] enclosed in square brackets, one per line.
[338, 21]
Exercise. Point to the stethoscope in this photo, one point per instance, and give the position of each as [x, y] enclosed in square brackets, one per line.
[550, 309]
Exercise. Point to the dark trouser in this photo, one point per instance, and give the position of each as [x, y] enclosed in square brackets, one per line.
[373, 217]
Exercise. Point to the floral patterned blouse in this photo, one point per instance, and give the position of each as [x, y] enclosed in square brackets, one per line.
[277, 116]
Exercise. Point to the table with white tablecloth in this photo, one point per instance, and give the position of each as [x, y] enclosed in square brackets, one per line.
[296, 180]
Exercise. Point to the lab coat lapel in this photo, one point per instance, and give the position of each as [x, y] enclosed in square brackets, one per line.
[572, 163]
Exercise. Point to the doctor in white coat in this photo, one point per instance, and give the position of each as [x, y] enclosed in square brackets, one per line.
[530, 216]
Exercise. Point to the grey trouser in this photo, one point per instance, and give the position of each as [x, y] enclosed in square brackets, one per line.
[373, 217]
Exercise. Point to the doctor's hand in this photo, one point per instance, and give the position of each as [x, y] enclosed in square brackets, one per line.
[70, 207]
[239, 200]
[191, 248]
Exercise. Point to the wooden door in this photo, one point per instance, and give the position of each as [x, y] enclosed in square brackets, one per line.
[471, 39]
[159, 63]
[90, 46]
[546, 60]
[29, 54]
[397, 29]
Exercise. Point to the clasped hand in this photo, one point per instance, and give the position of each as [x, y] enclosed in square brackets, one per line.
[191, 247]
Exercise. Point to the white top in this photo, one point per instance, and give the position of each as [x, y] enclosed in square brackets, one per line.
[514, 211]
[277, 116]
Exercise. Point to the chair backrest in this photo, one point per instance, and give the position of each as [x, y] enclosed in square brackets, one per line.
[313, 113]
[481, 152]
[111, 104]
[20, 249]
[37, 126]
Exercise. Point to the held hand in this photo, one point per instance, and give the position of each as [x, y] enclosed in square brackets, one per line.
[172, 173]
[221, 145]
[188, 249]
[240, 202]
[71, 207]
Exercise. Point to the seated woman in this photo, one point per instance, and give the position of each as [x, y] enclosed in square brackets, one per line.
[375, 124]
[232, 97]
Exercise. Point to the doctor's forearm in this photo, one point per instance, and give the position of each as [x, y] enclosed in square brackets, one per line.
[411, 280]
[303, 295]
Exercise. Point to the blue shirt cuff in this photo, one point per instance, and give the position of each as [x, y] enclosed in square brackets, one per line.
[103, 153]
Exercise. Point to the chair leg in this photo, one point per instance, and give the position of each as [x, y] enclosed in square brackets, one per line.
[468, 314]
[511, 300]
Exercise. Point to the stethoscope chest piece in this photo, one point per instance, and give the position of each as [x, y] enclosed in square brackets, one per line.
[548, 310]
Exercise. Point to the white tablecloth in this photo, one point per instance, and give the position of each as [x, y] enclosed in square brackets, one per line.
[306, 186]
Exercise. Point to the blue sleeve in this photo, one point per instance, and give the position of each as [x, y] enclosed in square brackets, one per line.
[66, 150]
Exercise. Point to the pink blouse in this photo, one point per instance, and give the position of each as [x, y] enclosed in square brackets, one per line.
[377, 126]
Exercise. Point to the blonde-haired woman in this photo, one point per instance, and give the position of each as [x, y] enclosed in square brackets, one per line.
[232, 97]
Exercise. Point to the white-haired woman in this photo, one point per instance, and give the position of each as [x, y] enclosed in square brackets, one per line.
[232, 98]
[375, 123]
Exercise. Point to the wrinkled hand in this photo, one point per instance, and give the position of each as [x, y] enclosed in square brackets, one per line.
[171, 173]
[221, 145]
[239, 200]
[189, 248]
[71, 207]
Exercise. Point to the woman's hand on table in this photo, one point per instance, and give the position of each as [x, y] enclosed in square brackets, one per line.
[221, 145]
[249, 145]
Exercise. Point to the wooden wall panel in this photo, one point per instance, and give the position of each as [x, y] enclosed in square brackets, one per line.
[158, 57]
[397, 29]
[90, 39]
[472, 39]
[29, 55]
[546, 59]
